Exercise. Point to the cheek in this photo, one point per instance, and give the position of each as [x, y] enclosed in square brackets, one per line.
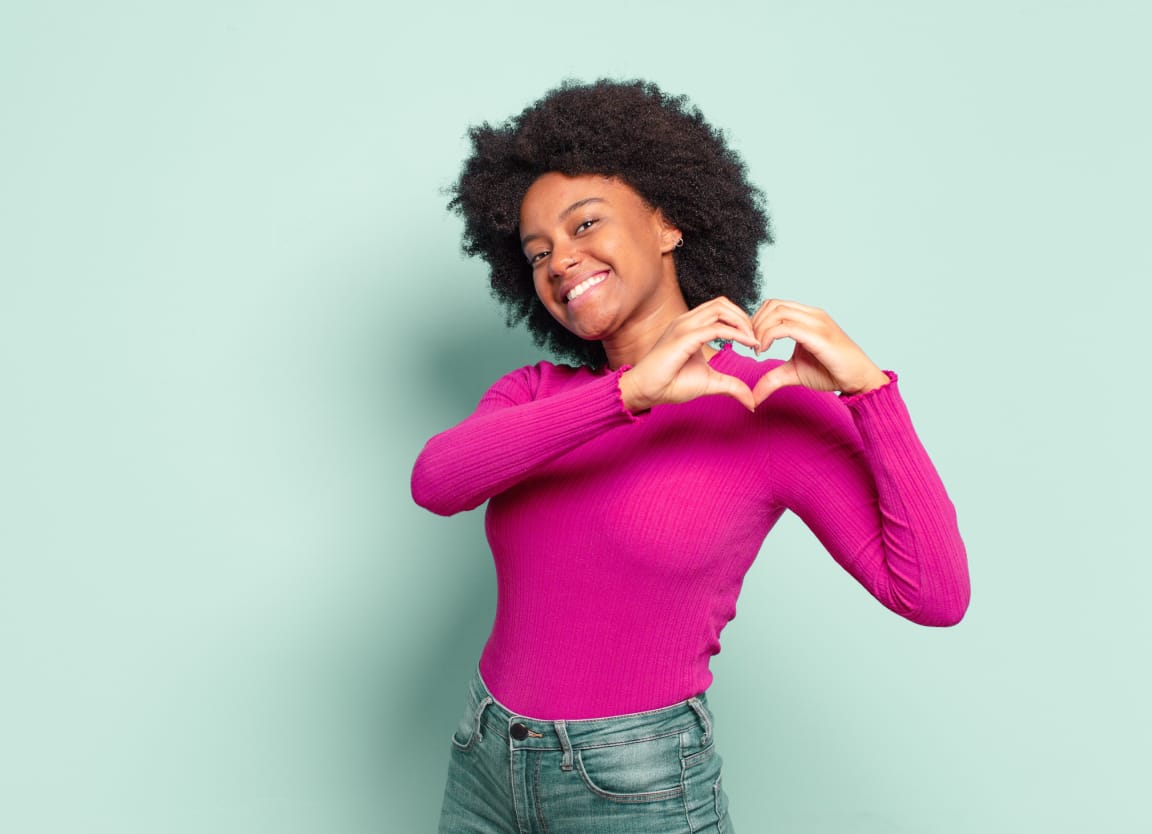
[542, 287]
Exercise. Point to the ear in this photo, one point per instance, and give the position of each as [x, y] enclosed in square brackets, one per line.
[670, 236]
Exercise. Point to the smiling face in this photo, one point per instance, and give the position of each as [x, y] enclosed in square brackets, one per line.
[601, 257]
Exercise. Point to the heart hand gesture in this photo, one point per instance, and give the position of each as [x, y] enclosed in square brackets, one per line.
[824, 358]
[674, 370]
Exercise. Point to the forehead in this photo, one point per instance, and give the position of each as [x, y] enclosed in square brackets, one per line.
[552, 193]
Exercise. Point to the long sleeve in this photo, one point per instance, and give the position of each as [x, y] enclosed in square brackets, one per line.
[862, 481]
[524, 420]
[621, 541]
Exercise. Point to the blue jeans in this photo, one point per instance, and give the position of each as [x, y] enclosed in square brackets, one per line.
[654, 772]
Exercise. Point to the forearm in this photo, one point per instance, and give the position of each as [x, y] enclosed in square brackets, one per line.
[919, 566]
[497, 447]
[856, 473]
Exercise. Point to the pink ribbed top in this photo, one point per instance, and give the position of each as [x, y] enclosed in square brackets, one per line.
[621, 541]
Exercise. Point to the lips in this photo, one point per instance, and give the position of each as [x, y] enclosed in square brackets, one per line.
[583, 287]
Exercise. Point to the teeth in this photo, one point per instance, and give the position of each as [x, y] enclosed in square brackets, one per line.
[584, 286]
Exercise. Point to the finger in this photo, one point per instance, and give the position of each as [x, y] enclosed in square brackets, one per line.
[804, 333]
[732, 334]
[652, 379]
[725, 307]
[786, 312]
[719, 383]
[721, 309]
[784, 318]
[690, 341]
[779, 377]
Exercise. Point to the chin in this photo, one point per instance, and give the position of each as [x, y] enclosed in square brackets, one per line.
[590, 331]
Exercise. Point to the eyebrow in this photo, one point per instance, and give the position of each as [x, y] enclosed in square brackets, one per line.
[524, 241]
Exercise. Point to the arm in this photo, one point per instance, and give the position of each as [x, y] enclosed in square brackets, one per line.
[856, 473]
[867, 487]
[518, 426]
[530, 417]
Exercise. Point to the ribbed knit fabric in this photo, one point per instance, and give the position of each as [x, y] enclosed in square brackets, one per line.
[621, 541]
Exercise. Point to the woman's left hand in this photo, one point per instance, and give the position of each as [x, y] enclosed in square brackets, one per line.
[824, 359]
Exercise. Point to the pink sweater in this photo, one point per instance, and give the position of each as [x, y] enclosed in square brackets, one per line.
[621, 541]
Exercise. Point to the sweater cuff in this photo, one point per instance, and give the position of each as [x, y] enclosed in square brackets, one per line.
[880, 411]
[633, 416]
[853, 400]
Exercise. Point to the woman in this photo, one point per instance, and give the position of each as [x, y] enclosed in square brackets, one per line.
[629, 493]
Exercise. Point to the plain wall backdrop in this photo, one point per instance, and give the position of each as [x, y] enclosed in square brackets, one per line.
[233, 309]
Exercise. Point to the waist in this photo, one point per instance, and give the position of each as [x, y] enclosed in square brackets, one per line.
[524, 731]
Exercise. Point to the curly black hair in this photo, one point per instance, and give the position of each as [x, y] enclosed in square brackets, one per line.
[658, 144]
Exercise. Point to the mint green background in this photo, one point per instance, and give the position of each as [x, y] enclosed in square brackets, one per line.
[233, 309]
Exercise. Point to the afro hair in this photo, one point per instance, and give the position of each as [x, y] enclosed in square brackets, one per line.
[658, 144]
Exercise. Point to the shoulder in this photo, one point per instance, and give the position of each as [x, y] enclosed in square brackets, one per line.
[534, 381]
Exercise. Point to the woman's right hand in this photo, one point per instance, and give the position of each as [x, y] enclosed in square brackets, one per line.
[675, 370]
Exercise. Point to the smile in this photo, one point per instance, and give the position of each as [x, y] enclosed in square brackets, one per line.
[584, 286]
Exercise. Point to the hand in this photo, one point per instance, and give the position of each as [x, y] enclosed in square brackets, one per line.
[824, 359]
[675, 371]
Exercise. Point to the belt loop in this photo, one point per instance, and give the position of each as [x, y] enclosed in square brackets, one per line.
[702, 714]
[562, 734]
[480, 714]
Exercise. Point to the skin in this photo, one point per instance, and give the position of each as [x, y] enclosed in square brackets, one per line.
[592, 227]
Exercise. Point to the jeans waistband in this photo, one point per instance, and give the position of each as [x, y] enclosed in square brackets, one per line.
[528, 732]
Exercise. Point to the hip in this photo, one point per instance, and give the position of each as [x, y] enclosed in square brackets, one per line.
[653, 771]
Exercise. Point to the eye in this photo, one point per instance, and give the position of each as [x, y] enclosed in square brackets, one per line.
[586, 225]
[538, 257]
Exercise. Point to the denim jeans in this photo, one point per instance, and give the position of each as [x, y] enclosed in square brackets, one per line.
[654, 772]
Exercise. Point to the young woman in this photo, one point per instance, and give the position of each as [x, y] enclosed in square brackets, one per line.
[630, 491]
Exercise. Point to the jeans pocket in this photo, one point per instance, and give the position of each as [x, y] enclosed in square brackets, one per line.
[468, 727]
[645, 770]
[462, 736]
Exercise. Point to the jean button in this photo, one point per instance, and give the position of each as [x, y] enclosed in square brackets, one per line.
[519, 731]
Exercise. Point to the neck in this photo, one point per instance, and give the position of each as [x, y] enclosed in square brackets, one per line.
[633, 341]
[631, 344]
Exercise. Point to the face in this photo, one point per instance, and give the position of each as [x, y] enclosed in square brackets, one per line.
[600, 256]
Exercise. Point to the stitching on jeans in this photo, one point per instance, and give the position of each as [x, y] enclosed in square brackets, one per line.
[479, 734]
[536, 799]
[683, 773]
[629, 798]
[566, 746]
[578, 722]
[517, 793]
[699, 757]
[627, 741]
[705, 719]
[717, 790]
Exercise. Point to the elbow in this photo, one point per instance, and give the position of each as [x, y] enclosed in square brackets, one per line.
[947, 617]
[433, 491]
[944, 612]
[430, 503]
[424, 491]
[434, 500]
[428, 483]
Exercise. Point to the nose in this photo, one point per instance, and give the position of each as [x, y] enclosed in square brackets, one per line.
[564, 257]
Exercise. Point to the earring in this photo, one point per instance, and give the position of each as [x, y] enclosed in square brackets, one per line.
[679, 243]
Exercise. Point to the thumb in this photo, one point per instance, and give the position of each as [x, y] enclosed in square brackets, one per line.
[779, 377]
[719, 383]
